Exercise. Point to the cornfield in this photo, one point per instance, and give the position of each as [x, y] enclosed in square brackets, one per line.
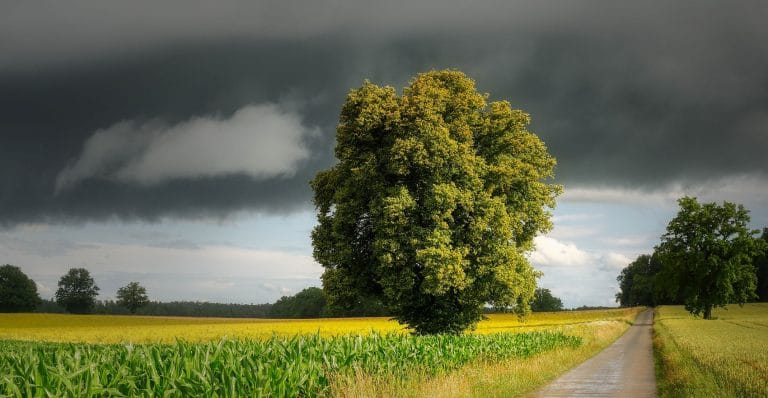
[279, 366]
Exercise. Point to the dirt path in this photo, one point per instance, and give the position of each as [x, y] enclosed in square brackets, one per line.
[624, 369]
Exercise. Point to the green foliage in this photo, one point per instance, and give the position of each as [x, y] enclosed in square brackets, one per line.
[132, 296]
[707, 256]
[544, 301]
[637, 282]
[308, 303]
[434, 200]
[18, 293]
[300, 366]
[364, 306]
[77, 291]
[761, 267]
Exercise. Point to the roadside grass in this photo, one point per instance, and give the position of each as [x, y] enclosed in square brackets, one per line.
[507, 378]
[723, 357]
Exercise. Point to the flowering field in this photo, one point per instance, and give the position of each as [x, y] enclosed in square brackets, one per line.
[83, 356]
[146, 329]
[724, 357]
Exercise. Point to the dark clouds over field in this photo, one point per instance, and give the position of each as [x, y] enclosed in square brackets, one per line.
[142, 110]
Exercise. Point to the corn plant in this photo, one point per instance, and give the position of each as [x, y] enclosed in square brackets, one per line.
[297, 366]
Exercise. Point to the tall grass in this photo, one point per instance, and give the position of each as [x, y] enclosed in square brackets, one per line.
[298, 366]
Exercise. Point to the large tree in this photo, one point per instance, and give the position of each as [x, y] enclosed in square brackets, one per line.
[77, 291]
[434, 200]
[707, 256]
[18, 293]
[132, 296]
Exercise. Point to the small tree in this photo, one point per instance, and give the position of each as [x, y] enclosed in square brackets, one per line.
[543, 301]
[707, 256]
[435, 199]
[132, 296]
[18, 293]
[77, 291]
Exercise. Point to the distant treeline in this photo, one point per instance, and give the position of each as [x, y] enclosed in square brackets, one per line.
[173, 308]
[308, 303]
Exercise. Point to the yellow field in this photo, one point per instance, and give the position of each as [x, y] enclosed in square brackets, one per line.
[724, 357]
[144, 329]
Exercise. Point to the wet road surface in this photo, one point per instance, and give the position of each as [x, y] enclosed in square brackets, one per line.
[624, 369]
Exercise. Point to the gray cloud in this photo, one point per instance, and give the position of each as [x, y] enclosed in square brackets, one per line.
[641, 95]
[261, 141]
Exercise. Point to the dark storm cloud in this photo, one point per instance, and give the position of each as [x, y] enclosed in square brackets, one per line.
[642, 95]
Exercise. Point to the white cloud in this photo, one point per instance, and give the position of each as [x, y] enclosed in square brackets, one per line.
[262, 141]
[629, 241]
[551, 252]
[579, 277]
[615, 260]
[571, 231]
[576, 217]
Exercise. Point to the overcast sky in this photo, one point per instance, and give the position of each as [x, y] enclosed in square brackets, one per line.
[171, 142]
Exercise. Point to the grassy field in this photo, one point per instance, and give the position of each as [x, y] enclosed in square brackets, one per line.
[68, 355]
[724, 357]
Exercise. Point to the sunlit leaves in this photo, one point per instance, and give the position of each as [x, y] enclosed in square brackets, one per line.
[436, 196]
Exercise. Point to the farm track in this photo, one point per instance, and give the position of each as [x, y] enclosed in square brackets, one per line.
[624, 369]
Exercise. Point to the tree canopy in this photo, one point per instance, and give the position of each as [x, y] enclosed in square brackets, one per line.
[761, 267]
[132, 296]
[544, 301]
[18, 293]
[77, 291]
[435, 198]
[637, 282]
[308, 303]
[707, 256]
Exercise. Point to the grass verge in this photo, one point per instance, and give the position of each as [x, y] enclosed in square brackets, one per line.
[506, 378]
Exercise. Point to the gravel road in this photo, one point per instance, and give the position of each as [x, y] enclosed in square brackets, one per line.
[624, 369]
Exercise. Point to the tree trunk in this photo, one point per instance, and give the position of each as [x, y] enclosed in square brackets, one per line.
[708, 312]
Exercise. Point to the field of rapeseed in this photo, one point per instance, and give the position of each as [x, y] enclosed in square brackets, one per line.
[724, 357]
[147, 329]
